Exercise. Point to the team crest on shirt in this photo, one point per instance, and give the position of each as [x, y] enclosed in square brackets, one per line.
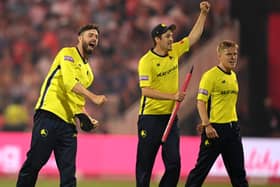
[203, 91]
[144, 78]
[68, 58]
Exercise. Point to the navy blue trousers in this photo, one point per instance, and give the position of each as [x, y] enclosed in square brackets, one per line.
[229, 145]
[50, 133]
[150, 131]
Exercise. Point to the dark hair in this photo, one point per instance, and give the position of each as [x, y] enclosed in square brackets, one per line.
[88, 27]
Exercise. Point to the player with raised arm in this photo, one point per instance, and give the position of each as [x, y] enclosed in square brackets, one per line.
[158, 78]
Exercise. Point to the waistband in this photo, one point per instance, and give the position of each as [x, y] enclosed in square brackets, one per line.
[47, 114]
[233, 123]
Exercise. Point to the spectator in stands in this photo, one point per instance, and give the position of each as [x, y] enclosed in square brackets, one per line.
[35, 22]
[273, 115]
[15, 117]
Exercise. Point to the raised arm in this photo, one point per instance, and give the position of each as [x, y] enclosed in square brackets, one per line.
[199, 24]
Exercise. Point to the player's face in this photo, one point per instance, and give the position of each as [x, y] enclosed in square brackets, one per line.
[228, 58]
[166, 41]
[89, 41]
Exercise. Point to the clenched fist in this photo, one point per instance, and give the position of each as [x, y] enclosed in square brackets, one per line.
[100, 99]
[205, 7]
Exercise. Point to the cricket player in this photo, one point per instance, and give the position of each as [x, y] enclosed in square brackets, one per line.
[62, 97]
[158, 78]
[220, 131]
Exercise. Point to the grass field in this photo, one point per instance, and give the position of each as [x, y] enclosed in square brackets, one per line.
[52, 182]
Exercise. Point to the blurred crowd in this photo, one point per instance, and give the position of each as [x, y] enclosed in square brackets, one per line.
[33, 31]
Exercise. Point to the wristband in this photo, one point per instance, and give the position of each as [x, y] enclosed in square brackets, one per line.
[206, 125]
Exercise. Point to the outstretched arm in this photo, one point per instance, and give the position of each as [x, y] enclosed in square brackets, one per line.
[199, 24]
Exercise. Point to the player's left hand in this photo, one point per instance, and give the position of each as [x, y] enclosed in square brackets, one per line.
[205, 7]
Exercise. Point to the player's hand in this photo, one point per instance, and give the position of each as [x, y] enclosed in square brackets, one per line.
[94, 121]
[86, 122]
[211, 132]
[199, 128]
[179, 96]
[100, 99]
[205, 7]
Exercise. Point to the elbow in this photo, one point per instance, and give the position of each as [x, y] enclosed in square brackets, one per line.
[71, 86]
[144, 91]
[193, 39]
[200, 103]
[197, 105]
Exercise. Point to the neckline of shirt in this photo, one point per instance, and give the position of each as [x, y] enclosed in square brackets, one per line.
[84, 60]
[228, 73]
[152, 50]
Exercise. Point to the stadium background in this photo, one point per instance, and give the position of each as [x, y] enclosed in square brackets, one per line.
[32, 31]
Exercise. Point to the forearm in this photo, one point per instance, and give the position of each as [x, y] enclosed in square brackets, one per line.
[149, 92]
[80, 89]
[202, 110]
[197, 29]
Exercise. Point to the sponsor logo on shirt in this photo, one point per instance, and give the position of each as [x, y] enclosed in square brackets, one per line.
[68, 58]
[168, 71]
[203, 91]
[226, 92]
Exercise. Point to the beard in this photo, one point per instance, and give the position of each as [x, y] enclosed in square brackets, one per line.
[87, 49]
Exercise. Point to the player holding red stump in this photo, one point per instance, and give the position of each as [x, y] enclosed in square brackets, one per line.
[158, 77]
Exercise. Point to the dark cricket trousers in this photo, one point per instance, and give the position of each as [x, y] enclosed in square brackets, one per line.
[229, 145]
[150, 131]
[50, 133]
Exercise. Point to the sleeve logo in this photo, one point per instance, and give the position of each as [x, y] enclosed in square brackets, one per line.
[68, 58]
[203, 91]
[144, 78]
